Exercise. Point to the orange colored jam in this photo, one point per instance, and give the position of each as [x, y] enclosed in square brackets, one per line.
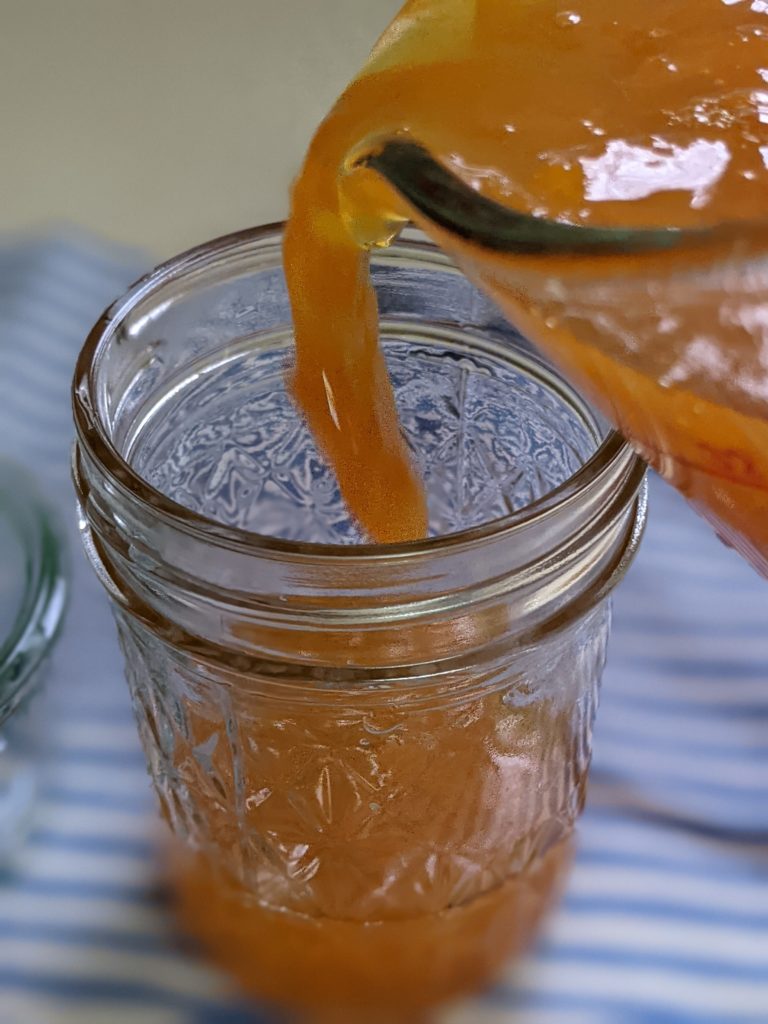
[394, 969]
[363, 855]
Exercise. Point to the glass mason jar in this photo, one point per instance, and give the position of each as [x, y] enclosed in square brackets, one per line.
[371, 757]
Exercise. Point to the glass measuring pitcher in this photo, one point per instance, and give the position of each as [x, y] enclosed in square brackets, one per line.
[665, 330]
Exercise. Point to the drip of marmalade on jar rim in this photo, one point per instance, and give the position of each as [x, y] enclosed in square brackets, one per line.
[584, 112]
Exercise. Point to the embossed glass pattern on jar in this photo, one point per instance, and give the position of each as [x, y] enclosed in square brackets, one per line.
[371, 758]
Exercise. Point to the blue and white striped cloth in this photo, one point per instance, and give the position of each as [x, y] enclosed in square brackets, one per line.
[666, 916]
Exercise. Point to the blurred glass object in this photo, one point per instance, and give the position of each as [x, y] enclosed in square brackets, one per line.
[33, 593]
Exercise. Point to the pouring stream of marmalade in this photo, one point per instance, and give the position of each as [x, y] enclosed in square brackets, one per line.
[588, 114]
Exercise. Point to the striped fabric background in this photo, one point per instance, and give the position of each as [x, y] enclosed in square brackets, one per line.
[666, 916]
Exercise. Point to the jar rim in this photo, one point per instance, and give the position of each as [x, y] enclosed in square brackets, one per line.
[611, 453]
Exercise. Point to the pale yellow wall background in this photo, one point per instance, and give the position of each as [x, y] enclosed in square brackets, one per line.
[165, 122]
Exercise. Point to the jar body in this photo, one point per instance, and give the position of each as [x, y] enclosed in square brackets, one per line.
[371, 758]
[370, 851]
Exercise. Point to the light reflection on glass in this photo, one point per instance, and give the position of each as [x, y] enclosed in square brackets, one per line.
[760, 100]
[626, 172]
